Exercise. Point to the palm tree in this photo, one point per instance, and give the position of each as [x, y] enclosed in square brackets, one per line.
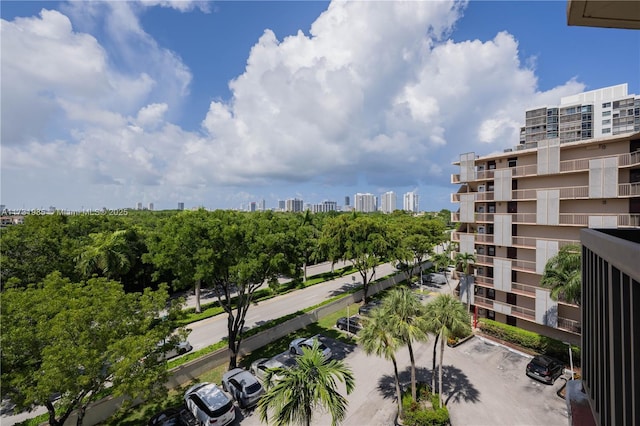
[562, 274]
[446, 316]
[377, 338]
[406, 315]
[293, 394]
[108, 254]
[464, 260]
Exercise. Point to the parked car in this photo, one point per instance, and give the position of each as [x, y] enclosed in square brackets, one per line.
[260, 366]
[545, 369]
[351, 324]
[296, 346]
[210, 405]
[365, 309]
[243, 386]
[175, 416]
[169, 349]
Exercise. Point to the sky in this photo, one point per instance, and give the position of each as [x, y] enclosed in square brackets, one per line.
[218, 104]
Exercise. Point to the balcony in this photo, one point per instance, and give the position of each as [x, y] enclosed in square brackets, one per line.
[520, 171]
[523, 265]
[530, 242]
[582, 219]
[523, 289]
[571, 326]
[483, 302]
[484, 281]
[455, 178]
[524, 313]
[629, 189]
[484, 260]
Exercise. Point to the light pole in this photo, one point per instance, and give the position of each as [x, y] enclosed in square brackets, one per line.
[570, 358]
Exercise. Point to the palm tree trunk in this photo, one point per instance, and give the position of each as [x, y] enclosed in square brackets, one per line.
[442, 337]
[398, 392]
[433, 366]
[413, 371]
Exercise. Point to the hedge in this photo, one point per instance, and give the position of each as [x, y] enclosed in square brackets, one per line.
[414, 414]
[530, 340]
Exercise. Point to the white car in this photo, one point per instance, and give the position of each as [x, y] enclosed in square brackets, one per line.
[170, 350]
[296, 345]
[210, 405]
[260, 366]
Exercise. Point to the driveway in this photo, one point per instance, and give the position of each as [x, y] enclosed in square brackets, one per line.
[484, 384]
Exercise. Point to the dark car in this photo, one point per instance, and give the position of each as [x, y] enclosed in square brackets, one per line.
[176, 416]
[365, 309]
[545, 369]
[351, 324]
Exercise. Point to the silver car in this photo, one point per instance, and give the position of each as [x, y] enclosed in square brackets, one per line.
[260, 366]
[296, 346]
[210, 405]
[243, 387]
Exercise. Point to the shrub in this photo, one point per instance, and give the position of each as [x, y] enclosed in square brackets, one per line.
[530, 340]
[416, 414]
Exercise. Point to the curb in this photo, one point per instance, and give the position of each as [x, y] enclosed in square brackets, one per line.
[493, 342]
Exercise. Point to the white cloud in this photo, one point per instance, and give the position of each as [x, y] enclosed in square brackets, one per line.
[375, 90]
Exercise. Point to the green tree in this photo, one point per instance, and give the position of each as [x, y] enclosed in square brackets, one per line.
[182, 246]
[406, 317]
[110, 254]
[562, 274]
[298, 391]
[446, 316]
[247, 251]
[78, 339]
[377, 337]
[364, 241]
[306, 241]
[441, 260]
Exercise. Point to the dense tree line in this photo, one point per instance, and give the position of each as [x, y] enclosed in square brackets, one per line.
[92, 288]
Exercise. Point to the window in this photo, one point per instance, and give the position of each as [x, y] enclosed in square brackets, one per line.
[606, 122]
[491, 315]
[512, 321]
[606, 105]
[491, 250]
[514, 230]
[490, 272]
[512, 299]
[512, 207]
[512, 162]
[607, 130]
[606, 113]
[512, 253]
[491, 294]
[514, 184]
[492, 165]
[492, 208]
[514, 276]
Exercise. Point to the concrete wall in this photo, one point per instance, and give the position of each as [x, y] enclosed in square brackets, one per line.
[105, 408]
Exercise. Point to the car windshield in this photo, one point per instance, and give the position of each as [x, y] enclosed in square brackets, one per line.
[538, 368]
[253, 388]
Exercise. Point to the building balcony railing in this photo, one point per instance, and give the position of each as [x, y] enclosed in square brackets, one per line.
[582, 219]
[523, 265]
[629, 189]
[572, 326]
[530, 242]
[484, 260]
[483, 281]
[567, 166]
[524, 313]
[483, 302]
[478, 238]
[523, 289]
[524, 218]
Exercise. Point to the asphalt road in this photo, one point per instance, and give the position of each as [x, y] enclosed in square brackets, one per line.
[212, 330]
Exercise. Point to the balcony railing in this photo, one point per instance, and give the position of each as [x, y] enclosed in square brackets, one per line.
[455, 178]
[523, 265]
[524, 289]
[484, 196]
[484, 260]
[631, 159]
[528, 170]
[524, 218]
[484, 238]
[484, 281]
[530, 242]
[485, 174]
[582, 219]
[483, 302]
[570, 325]
[629, 190]
[524, 313]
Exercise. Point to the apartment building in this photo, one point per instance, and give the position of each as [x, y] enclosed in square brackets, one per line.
[519, 207]
[410, 202]
[294, 205]
[389, 202]
[365, 203]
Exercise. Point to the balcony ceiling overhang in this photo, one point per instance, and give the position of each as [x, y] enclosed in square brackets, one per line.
[606, 14]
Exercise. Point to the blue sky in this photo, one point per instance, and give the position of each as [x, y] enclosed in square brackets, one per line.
[217, 104]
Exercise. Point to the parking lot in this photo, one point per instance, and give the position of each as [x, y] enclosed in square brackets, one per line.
[484, 384]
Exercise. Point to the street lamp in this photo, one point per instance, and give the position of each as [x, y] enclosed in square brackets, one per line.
[570, 358]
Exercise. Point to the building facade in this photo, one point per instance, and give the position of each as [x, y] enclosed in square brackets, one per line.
[365, 203]
[410, 202]
[294, 205]
[518, 208]
[389, 202]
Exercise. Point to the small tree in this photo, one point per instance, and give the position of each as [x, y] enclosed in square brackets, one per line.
[299, 390]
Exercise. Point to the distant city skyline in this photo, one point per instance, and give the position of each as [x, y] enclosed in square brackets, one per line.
[220, 104]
